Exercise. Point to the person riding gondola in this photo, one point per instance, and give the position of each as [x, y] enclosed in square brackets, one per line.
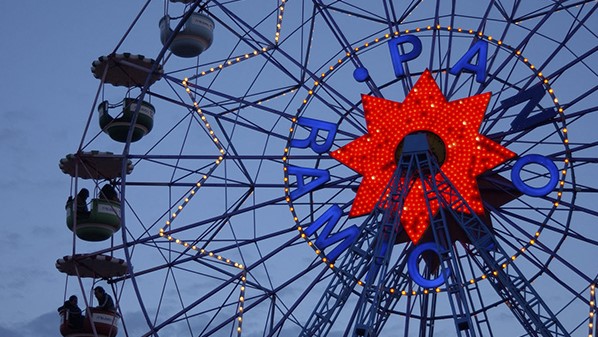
[104, 300]
[81, 200]
[109, 193]
[72, 312]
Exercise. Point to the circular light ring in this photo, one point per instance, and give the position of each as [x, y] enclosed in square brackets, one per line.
[542, 161]
[412, 266]
[357, 49]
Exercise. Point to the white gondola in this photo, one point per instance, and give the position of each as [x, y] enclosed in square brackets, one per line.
[195, 36]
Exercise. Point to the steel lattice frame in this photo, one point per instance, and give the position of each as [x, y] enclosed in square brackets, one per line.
[216, 243]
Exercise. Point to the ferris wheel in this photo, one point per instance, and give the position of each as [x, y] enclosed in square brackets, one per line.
[341, 168]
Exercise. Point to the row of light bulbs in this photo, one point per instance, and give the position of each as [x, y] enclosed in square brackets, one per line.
[221, 149]
[240, 58]
[191, 193]
[353, 53]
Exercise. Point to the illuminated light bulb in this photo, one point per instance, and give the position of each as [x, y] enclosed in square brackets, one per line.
[161, 233]
[413, 293]
[211, 253]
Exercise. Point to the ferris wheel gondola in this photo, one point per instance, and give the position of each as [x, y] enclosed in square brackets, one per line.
[357, 169]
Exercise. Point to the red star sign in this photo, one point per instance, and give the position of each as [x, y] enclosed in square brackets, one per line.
[456, 123]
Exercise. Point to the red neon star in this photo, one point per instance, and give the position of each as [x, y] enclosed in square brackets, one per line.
[456, 123]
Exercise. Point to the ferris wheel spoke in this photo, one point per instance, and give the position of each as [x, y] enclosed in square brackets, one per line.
[507, 280]
[549, 9]
[206, 230]
[576, 25]
[344, 43]
[541, 248]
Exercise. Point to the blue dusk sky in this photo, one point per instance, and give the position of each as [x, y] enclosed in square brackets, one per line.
[47, 92]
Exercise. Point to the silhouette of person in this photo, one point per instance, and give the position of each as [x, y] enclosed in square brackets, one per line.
[104, 300]
[107, 192]
[72, 313]
[82, 203]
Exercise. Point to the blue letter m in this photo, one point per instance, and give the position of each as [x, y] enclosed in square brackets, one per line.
[347, 236]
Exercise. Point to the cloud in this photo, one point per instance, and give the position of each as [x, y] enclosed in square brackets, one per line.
[9, 332]
[47, 325]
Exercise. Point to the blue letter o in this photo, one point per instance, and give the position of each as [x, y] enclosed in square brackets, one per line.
[534, 159]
